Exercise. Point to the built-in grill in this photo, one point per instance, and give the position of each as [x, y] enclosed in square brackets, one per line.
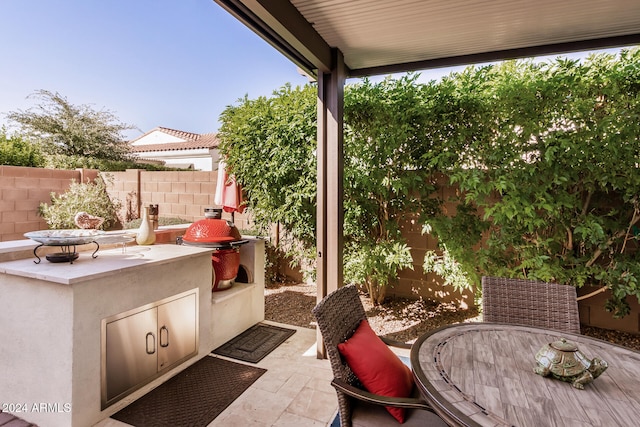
[224, 239]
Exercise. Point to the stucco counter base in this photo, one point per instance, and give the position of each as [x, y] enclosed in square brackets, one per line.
[51, 321]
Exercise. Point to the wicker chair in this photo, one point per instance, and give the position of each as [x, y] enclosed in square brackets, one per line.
[338, 315]
[530, 303]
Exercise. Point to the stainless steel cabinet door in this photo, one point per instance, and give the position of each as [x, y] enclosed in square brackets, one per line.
[131, 351]
[177, 330]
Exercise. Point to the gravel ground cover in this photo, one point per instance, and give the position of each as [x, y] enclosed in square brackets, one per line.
[401, 320]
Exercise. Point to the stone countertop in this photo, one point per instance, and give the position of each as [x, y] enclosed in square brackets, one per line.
[108, 262]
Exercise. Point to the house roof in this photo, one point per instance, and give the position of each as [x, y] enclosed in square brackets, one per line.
[190, 141]
[381, 37]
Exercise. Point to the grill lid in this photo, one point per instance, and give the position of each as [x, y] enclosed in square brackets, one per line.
[211, 230]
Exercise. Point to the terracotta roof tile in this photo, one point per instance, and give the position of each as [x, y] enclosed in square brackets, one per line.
[179, 133]
[209, 138]
[192, 141]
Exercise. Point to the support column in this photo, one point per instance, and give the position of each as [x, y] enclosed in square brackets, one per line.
[330, 157]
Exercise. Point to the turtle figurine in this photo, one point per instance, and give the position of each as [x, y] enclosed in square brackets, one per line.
[562, 360]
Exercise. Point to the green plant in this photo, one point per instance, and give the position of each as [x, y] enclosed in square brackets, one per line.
[375, 265]
[458, 262]
[61, 161]
[544, 157]
[384, 182]
[62, 128]
[269, 146]
[447, 267]
[15, 151]
[552, 177]
[80, 197]
[273, 259]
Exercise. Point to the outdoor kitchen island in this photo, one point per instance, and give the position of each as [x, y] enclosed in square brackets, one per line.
[54, 316]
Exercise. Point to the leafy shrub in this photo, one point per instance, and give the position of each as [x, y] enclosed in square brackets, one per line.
[61, 161]
[270, 145]
[547, 172]
[14, 151]
[376, 265]
[80, 197]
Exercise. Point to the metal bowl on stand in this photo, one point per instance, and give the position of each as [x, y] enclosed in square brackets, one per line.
[67, 240]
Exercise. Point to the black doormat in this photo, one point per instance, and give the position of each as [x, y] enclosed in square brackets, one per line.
[255, 343]
[194, 397]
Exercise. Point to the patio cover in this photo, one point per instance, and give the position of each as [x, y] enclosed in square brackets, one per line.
[380, 36]
[332, 40]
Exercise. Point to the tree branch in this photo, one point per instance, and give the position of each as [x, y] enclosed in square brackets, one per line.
[616, 236]
[634, 219]
[587, 202]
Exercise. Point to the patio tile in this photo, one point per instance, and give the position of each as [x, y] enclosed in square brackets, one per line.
[314, 404]
[288, 419]
[237, 419]
[295, 390]
[294, 385]
[272, 380]
[110, 422]
[322, 384]
[258, 406]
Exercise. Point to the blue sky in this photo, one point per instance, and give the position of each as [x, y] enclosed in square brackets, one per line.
[170, 63]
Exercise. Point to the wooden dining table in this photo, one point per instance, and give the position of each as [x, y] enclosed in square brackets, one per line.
[482, 374]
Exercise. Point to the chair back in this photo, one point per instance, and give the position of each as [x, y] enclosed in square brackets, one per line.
[530, 303]
[338, 315]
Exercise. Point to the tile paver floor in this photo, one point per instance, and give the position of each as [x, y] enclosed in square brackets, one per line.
[295, 390]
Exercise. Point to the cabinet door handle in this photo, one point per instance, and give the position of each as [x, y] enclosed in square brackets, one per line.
[153, 343]
[164, 343]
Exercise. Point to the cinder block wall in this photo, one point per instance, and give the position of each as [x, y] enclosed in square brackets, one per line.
[23, 189]
[178, 194]
[415, 282]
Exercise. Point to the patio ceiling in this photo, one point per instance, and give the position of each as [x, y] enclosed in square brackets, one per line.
[382, 36]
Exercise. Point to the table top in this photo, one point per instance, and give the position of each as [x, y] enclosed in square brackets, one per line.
[481, 374]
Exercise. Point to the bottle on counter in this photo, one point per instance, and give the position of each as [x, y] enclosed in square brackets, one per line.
[146, 235]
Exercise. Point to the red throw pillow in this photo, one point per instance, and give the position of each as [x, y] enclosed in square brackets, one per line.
[378, 368]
